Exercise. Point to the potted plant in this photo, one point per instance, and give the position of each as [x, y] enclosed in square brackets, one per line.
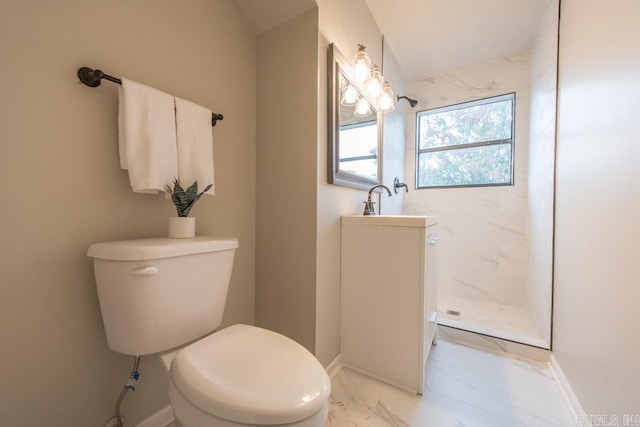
[182, 226]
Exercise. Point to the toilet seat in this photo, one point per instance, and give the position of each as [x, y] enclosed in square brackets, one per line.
[251, 375]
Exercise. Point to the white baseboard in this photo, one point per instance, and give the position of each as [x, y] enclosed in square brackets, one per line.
[567, 392]
[162, 418]
[334, 366]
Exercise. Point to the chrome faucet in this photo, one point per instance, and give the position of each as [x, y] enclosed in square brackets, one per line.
[368, 205]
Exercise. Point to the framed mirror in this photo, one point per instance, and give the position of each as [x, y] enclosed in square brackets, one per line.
[354, 145]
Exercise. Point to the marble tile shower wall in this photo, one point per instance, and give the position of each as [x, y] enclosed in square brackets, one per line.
[483, 230]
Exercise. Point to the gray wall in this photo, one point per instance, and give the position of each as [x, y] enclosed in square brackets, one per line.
[286, 179]
[298, 212]
[64, 189]
[595, 337]
[347, 23]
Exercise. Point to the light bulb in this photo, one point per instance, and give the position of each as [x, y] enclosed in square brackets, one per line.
[361, 65]
[362, 108]
[374, 86]
[349, 96]
[385, 102]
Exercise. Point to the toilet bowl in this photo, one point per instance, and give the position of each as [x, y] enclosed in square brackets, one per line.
[248, 376]
[158, 295]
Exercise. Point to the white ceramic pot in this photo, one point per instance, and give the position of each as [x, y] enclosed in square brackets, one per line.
[182, 227]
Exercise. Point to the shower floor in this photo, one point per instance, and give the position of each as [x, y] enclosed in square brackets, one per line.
[496, 320]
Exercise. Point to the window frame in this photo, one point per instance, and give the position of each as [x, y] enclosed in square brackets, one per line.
[458, 106]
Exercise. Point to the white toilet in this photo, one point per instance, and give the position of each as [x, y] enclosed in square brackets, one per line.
[159, 295]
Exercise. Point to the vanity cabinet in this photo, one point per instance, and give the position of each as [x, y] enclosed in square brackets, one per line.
[389, 296]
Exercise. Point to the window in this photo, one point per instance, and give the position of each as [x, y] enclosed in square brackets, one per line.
[469, 144]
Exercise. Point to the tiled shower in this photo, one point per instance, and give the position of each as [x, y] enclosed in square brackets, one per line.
[495, 269]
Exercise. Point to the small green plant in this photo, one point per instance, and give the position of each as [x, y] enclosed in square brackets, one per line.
[185, 199]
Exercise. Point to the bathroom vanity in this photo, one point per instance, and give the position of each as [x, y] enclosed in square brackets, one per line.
[389, 296]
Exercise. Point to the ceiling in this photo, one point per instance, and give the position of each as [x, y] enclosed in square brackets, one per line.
[428, 36]
[262, 15]
[431, 36]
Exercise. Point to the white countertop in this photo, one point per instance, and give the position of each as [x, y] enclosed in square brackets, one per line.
[417, 221]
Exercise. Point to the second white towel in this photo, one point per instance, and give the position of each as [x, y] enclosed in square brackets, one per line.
[195, 145]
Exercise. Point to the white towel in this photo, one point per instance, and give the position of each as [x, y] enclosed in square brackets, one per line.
[195, 145]
[147, 128]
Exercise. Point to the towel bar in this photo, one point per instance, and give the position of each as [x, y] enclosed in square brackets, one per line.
[92, 78]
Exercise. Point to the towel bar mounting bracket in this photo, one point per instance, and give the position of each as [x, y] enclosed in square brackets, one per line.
[93, 78]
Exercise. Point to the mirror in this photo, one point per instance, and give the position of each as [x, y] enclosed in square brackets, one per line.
[354, 128]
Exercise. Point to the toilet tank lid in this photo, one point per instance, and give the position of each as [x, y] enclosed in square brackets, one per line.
[157, 248]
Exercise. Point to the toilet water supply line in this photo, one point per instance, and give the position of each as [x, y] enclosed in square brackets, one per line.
[129, 385]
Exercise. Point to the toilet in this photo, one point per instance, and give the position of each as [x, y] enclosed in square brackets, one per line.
[166, 297]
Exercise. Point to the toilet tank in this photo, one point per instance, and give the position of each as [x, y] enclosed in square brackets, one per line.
[156, 294]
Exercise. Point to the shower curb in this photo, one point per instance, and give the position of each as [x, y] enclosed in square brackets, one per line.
[490, 343]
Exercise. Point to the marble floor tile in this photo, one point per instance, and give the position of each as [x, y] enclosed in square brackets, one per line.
[465, 387]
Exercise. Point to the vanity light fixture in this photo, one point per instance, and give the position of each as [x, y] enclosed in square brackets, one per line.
[367, 76]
